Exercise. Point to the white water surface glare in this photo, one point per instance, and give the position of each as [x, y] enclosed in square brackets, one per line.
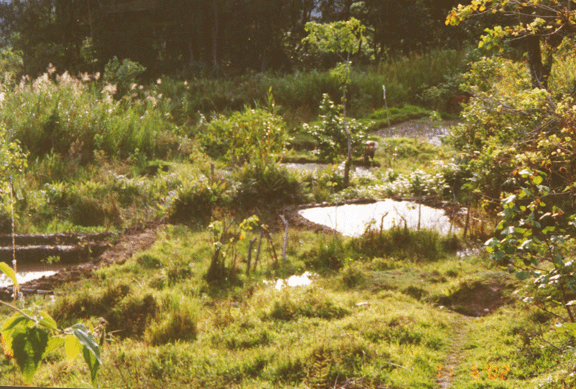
[31, 272]
[352, 219]
[292, 281]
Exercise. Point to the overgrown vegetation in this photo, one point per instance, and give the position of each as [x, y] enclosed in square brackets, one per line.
[200, 307]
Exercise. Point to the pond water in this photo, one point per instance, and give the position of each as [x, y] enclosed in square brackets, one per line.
[31, 272]
[316, 167]
[292, 281]
[352, 219]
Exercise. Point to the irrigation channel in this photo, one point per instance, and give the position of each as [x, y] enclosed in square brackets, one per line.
[45, 254]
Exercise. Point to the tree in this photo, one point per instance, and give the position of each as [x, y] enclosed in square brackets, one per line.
[517, 143]
[540, 24]
[342, 38]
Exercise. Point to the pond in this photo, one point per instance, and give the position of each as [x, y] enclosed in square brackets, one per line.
[352, 219]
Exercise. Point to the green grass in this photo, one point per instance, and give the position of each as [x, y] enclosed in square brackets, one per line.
[373, 321]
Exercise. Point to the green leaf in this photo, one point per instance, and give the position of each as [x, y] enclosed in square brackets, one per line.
[522, 275]
[53, 343]
[72, 346]
[90, 351]
[525, 172]
[29, 345]
[48, 322]
[10, 273]
[526, 245]
[537, 180]
[15, 320]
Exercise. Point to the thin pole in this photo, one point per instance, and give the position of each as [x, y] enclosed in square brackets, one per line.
[91, 36]
[386, 104]
[16, 291]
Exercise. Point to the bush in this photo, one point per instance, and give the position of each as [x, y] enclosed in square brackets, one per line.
[267, 186]
[252, 136]
[331, 135]
[195, 200]
[122, 74]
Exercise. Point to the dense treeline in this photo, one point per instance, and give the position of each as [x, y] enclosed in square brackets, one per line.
[207, 36]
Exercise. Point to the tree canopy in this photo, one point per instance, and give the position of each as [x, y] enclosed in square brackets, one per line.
[199, 36]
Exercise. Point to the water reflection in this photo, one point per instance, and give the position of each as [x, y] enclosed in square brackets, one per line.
[31, 272]
[352, 219]
[303, 280]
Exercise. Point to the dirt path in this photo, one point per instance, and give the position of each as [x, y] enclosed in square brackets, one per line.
[454, 355]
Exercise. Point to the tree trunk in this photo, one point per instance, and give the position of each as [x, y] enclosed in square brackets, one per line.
[538, 72]
[215, 35]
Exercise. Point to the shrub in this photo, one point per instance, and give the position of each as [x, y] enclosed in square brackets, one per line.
[254, 135]
[195, 200]
[122, 74]
[267, 186]
[331, 136]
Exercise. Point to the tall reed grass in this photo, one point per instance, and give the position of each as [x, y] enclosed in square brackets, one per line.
[74, 118]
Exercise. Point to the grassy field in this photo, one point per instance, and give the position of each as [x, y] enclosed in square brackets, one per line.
[402, 319]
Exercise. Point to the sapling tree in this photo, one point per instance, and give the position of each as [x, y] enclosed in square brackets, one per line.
[343, 38]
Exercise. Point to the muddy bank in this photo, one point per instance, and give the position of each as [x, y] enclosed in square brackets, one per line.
[118, 251]
[63, 248]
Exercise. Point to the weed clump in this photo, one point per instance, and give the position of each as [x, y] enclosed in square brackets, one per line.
[402, 243]
[195, 200]
[177, 325]
[130, 317]
[92, 303]
[329, 255]
[311, 304]
[267, 186]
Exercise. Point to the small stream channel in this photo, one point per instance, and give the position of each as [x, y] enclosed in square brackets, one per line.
[33, 251]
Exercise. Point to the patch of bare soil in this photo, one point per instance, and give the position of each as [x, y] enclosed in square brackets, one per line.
[127, 244]
[478, 298]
